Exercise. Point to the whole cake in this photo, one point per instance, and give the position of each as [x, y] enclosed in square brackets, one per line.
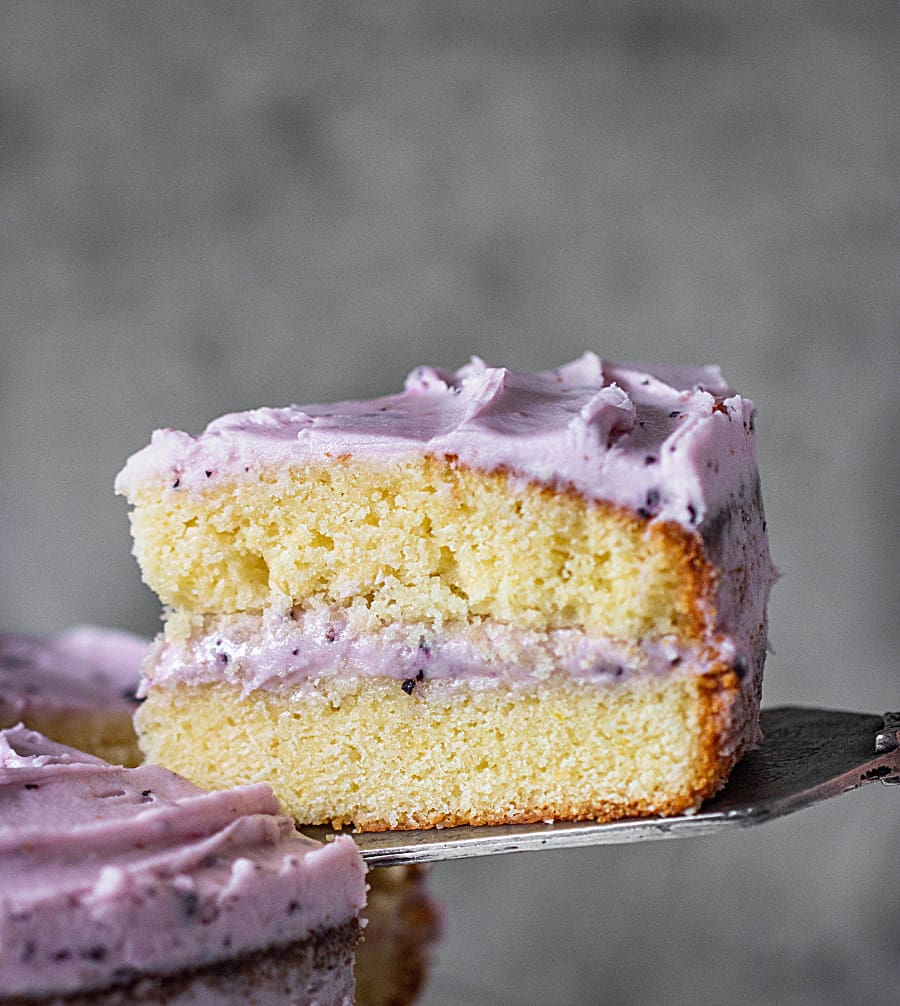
[78, 687]
[134, 885]
[495, 597]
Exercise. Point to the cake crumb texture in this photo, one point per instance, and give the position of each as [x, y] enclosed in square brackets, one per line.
[378, 756]
[420, 540]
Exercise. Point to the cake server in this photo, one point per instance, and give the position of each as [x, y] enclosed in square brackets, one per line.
[806, 756]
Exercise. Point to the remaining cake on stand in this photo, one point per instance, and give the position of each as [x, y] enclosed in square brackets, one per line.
[78, 687]
[135, 886]
[494, 597]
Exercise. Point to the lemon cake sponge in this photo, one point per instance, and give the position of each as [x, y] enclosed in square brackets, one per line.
[494, 597]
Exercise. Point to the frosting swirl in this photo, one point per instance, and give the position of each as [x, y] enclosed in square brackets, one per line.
[670, 442]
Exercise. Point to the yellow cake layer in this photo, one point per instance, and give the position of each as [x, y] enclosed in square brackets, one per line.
[422, 540]
[364, 752]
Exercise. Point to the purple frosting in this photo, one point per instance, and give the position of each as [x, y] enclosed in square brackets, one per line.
[668, 441]
[303, 647]
[107, 872]
[83, 668]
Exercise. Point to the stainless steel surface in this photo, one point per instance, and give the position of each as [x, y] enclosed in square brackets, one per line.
[807, 755]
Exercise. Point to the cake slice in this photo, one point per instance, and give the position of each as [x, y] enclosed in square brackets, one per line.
[494, 597]
[78, 687]
[136, 885]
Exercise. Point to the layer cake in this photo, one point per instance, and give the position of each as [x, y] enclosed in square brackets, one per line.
[494, 597]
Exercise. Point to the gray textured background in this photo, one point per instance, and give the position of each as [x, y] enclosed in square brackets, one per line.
[210, 207]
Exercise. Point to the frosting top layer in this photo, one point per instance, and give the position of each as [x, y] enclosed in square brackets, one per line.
[85, 667]
[106, 872]
[667, 441]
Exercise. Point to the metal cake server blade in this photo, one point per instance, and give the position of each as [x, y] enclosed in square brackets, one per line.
[806, 756]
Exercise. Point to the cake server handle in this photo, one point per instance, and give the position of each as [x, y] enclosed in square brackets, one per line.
[806, 755]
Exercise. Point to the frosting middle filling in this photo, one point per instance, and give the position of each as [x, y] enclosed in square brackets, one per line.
[297, 647]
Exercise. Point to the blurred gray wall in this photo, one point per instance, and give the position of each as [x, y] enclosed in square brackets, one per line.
[208, 207]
